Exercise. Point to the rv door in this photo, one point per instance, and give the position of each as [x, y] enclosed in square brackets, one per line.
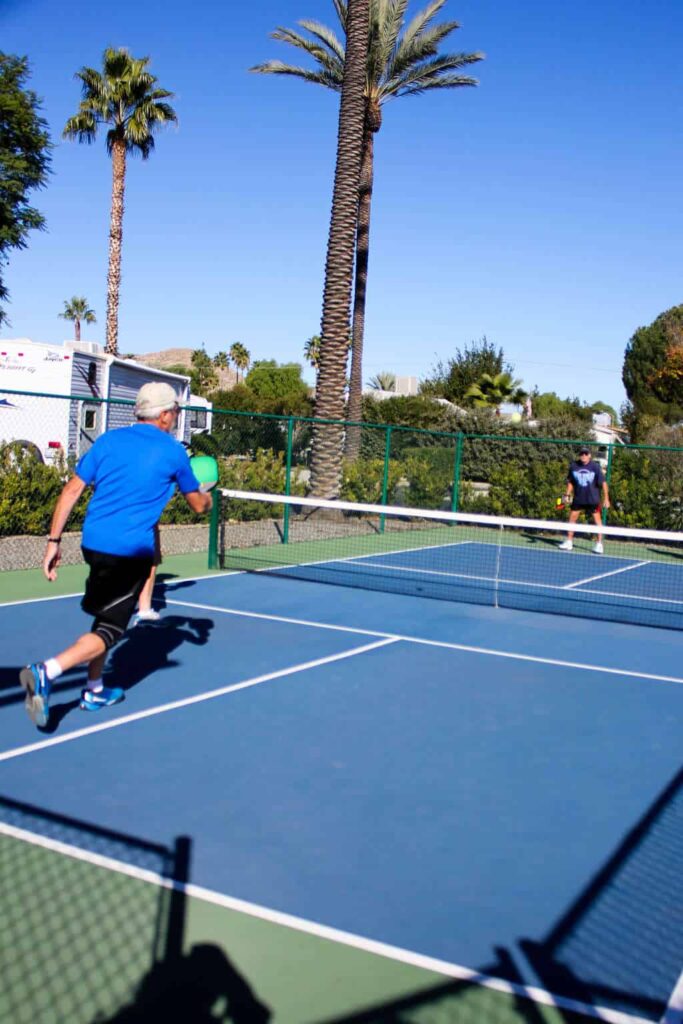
[89, 425]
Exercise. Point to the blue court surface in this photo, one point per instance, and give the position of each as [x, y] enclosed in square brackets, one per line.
[493, 793]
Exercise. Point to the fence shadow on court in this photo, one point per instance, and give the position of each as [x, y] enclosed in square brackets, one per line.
[621, 942]
[464, 1002]
[101, 939]
[145, 649]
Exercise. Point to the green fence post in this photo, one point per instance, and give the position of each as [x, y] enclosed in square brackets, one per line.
[214, 525]
[608, 475]
[385, 476]
[288, 477]
[456, 471]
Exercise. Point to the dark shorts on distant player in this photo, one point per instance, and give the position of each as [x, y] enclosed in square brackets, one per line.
[112, 589]
[588, 509]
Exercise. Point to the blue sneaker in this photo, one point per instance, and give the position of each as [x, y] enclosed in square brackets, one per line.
[37, 686]
[104, 698]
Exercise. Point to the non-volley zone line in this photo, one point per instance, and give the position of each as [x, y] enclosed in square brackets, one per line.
[198, 698]
[424, 641]
[326, 932]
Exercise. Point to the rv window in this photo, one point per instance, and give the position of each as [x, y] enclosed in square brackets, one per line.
[89, 419]
[92, 374]
[198, 420]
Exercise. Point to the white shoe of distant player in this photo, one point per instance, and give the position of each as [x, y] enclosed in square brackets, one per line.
[597, 548]
[149, 615]
[566, 545]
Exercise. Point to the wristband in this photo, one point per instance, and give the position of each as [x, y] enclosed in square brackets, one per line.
[54, 540]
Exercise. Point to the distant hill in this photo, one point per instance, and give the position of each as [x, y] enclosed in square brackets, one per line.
[183, 357]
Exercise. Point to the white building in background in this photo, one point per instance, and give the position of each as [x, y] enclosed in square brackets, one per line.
[48, 425]
[403, 387]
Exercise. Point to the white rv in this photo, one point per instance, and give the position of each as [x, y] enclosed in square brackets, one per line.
[47, 424]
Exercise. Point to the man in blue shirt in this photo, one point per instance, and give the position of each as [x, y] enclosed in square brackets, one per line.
[585, 480]
[134, 472]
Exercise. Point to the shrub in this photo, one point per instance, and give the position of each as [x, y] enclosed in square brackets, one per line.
[428, 485]
[28, 493]
[362, 480]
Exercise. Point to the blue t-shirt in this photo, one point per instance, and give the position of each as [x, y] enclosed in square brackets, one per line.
[587, 481]
[134, 471]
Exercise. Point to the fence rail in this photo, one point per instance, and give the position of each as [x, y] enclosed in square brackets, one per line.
[515, 474]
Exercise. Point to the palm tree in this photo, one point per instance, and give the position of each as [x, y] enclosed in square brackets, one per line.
[491, 391]
[383, 381]
[240, 357]
[124, 96]
[398, 65]
[312, 351]
[221, 360]
[79, 312]
[328, 440]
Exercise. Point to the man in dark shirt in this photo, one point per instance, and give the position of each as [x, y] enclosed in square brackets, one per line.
[585, 480]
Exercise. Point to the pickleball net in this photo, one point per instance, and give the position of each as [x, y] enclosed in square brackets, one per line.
[496, 561]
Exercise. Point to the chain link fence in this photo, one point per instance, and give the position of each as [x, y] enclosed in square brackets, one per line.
[42, 436]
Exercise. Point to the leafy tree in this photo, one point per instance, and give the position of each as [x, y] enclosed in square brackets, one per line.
[78, 311]
[644, 374]
[667, 382]
[203, 376]
[383, 381]
[493, 391]
[24, 160]
[452, 379]
[268, 380]
[240, 357]
[598, 407]
[400, 62]
[124, 96]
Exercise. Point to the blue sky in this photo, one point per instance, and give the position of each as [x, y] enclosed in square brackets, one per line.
[542, 209]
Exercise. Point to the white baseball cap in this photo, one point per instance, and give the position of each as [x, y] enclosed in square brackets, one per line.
[154, 398]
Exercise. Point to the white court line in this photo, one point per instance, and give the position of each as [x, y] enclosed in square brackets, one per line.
[674, 1010]
[449, 645]
[30, 748]
[291, 921]
[604, 575]
[79, 593]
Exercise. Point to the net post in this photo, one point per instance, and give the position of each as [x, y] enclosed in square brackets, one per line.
[608, 475]
[456, 471]
[214, 524]
[288, 478]
[385, 476]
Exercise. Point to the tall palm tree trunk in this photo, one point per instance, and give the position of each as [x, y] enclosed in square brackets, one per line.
[328, 440]
[355, 406]
[77, 330]
[118, 161]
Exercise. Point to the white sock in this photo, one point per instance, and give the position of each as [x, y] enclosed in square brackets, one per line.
[95, 685]
[52, 669]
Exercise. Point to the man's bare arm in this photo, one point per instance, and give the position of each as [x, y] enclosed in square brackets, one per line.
[199, 502]
[71, 492]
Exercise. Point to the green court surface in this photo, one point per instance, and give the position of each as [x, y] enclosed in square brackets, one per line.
[30, 584]
[111, 942]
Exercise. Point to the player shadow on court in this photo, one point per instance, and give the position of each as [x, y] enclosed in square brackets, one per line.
[201, 987]
[145, 649]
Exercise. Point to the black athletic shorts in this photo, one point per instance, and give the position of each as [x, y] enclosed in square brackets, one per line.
[588, 509]
[113, 586]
